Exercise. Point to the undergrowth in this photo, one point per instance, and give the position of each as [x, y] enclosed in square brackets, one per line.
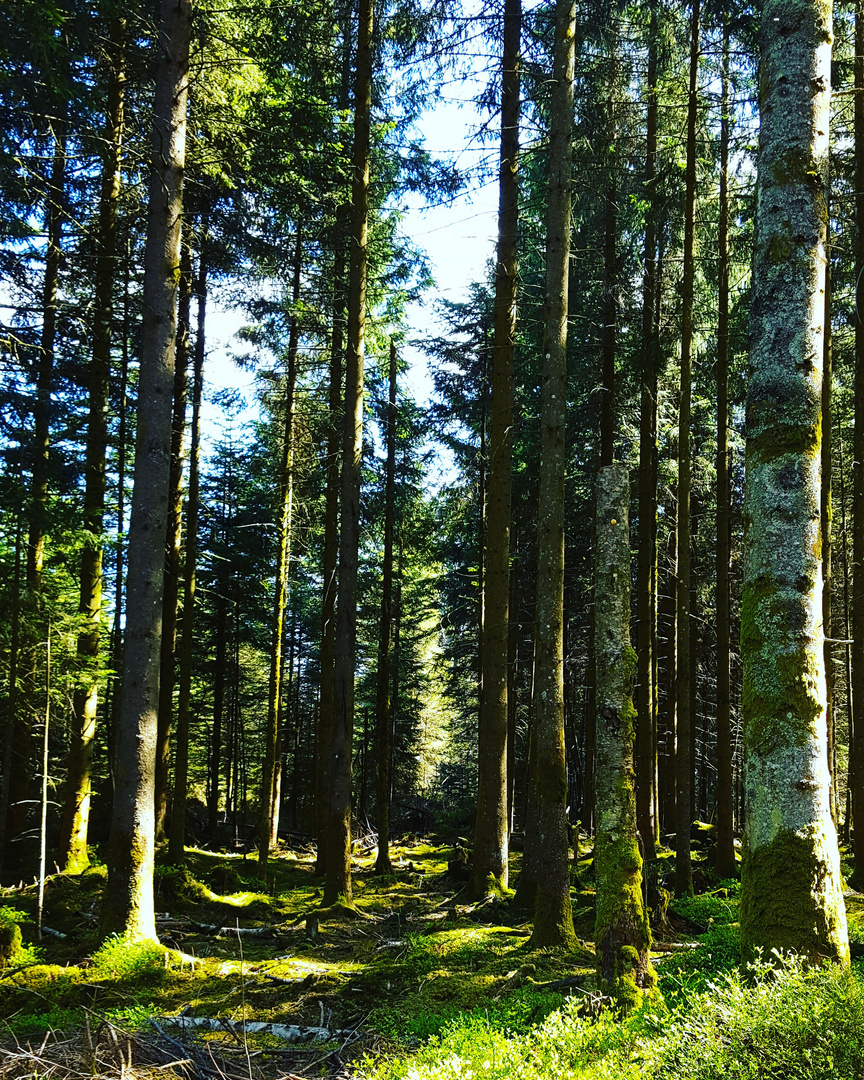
[789, 1023]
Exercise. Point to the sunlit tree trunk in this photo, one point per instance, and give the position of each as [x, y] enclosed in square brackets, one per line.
[128, 901]
[791, 894]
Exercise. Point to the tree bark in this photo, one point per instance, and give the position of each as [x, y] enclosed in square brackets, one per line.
[173, 538]
[177, 833]
[128, 902]
[383, 711]
[269, 806]
[553, 914]
[338, 860]
[856, 744]
[684, 674]
[791, 894]
[491, 827]
[72, 848]
[725, 865]
[622, 934]
[646, 601]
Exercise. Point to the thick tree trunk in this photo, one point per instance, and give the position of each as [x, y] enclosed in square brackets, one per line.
[72, 848]
[646, 601]
[725, 864]
[491, 827]
[338, 859]
[553, 914]
[826, 514]
[384, 717]
[128, 902]
[622, 934]
[684, 674]
[177, 833]
[791, 895]
[269, 805]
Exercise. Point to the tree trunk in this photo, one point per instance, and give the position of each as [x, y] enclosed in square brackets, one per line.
[791, 893]
[622, 934]
[385, 641]
[646, 601]
[221, 660]
[491, 827]
[177, 834]
[684, 760]
[128, 902]
[33, 628]
[856, 743]
[553, 914]
[269, 806]
[173, 539]
[725, 866]
[338, 859]
[72, 848]
[327, 700]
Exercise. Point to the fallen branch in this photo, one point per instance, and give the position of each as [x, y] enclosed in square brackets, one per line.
[292, 1033]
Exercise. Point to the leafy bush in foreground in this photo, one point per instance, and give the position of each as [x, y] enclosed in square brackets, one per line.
[789, 1023]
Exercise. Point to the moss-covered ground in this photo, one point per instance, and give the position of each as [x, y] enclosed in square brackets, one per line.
[415, 961]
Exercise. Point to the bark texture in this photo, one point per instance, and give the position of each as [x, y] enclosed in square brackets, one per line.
[622, 934]
[338, 859]
[553, 914]
[491, 827]
[128, 903]
[72, 848]
[791, 886]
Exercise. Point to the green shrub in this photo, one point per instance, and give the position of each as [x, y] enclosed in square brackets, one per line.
[685, 973]
[119, 957]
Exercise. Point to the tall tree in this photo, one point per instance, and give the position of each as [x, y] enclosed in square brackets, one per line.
[269, 807]
[72, 848]
[553, 914]
[338, 840]
[791, 896]
[491, 828]
[684, 663]
[622, 935]
[128, 902]
[383, 704]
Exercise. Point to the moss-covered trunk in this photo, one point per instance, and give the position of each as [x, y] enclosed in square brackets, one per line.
[791, 885]
[553, 915]
[622, 935]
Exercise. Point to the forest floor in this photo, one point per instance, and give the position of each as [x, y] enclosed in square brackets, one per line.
[251, 987]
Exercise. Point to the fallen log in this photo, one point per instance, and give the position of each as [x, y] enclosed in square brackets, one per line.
[292, 1033]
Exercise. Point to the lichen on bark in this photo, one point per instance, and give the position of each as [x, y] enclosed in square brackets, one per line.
[791, 884]
[622, 933]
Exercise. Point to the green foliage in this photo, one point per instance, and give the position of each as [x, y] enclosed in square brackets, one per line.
[790, 1022]
[120, 958]
[718, 953]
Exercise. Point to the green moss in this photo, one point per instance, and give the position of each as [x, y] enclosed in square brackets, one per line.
[789, 903]
[780, 694]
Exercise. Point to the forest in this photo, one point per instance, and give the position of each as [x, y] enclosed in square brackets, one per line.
[512, 730]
